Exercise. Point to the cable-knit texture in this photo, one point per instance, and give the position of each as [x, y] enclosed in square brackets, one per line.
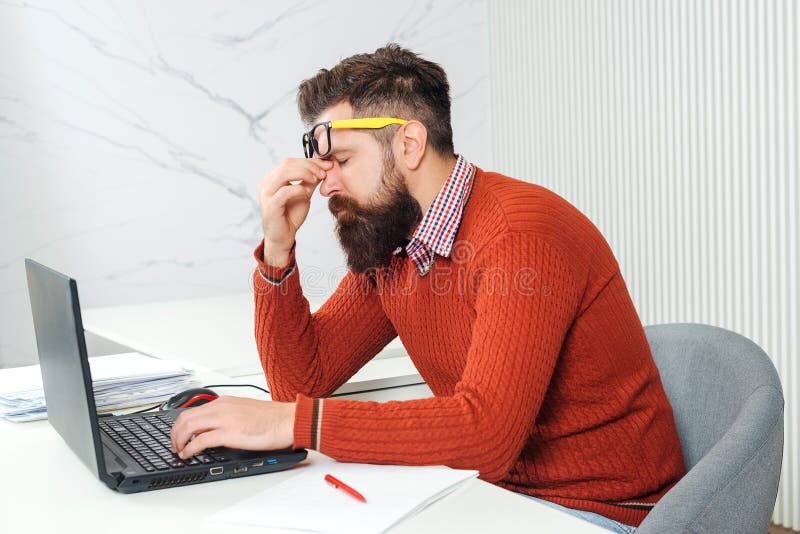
[528, 338]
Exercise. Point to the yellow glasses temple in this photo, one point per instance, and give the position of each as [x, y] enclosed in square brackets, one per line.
[372, 122]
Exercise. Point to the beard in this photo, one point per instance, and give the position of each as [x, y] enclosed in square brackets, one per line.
[370, 234]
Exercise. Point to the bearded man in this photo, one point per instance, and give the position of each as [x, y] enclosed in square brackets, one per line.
[508, 300]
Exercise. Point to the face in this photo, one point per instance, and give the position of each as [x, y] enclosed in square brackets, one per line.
[374, 211]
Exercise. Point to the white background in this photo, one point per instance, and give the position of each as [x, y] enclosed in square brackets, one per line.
[133, 136]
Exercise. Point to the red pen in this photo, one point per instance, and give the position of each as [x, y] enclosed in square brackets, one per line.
[338, 484]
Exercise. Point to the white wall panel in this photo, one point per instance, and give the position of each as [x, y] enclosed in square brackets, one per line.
[674, 126]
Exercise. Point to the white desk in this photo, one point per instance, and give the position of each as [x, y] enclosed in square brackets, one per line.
[217, 334]
[50, 490]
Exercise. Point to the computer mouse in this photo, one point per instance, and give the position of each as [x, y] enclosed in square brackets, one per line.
[189, 398]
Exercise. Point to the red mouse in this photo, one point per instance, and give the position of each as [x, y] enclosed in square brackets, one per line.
[189, 398]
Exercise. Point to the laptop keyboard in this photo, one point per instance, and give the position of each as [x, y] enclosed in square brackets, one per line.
[146, 439]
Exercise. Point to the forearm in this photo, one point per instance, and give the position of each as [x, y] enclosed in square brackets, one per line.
[307, 353]
[461, 431]
[286, 349]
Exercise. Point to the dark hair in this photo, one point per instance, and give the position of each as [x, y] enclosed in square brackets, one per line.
[390, 82]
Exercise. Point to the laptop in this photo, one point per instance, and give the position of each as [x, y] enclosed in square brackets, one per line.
[129, 453]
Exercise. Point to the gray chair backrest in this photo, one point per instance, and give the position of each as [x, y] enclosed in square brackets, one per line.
[728, 405]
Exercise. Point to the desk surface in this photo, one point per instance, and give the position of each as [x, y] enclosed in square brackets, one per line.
[50, 490]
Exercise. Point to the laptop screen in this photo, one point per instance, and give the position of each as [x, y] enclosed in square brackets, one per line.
[63, 360]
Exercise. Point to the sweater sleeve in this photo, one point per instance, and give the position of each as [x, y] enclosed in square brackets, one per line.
[525, 301]
[314, 353]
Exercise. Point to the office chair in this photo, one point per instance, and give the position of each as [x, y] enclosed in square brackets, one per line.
[728, 405]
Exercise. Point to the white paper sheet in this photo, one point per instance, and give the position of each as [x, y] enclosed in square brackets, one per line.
[306, 502]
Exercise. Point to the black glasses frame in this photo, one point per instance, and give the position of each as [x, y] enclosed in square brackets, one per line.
[310, 144]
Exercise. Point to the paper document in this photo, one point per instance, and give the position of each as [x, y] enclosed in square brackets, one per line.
[119, 381]
[306, 502]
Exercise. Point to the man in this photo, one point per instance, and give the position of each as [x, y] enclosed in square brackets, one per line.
[509, 301]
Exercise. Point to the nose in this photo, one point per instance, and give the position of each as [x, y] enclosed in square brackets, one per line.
[331, 184]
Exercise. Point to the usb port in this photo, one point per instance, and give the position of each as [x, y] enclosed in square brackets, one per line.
[240, 469]
[258, 463]
[272, 461]
[216, 470]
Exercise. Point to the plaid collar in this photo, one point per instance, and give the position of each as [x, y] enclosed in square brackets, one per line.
[437, 230]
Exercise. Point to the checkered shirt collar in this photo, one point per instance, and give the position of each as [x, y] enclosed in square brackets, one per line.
[436, 232]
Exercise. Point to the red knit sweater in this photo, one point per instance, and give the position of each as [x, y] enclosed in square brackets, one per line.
[528, 338]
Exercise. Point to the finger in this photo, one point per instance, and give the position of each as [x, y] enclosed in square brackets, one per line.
[309, 188]
[316, 166]
[206, 440]
[176, 424]
[324, 164]
[301, 176]
[192, 423]
[292, 170]
[186, 434]
[178, 428]
[290, 192]
[189, 420]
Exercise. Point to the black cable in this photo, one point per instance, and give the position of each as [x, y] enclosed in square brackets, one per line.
[209, 386]
[237, 386]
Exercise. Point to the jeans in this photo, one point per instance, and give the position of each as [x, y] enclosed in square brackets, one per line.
[591, 517]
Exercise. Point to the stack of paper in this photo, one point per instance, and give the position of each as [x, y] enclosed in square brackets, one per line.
[307, 503]
[119, 380]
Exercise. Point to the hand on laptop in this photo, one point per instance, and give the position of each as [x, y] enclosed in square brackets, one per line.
[234, 422]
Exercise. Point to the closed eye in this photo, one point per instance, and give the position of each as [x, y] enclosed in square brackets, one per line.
[342, 162]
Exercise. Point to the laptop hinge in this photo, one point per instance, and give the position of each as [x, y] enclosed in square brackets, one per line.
[117, 477]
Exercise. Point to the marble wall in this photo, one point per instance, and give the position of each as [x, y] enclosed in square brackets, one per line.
[133, 136]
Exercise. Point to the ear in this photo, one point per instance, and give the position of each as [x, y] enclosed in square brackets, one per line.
[414, 139]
